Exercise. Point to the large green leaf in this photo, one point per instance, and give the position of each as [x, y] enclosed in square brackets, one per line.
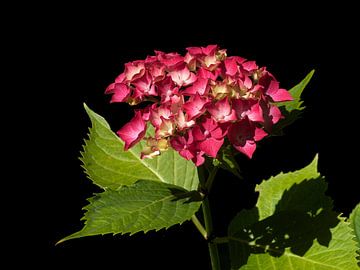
[109, 166]
[143, 206]
[292, 227]
[355, 225]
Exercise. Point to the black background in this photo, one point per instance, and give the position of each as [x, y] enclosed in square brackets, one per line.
[84, 50]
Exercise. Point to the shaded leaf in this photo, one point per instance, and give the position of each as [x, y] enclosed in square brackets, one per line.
[271, 190]
[227, 161]
[292, 227]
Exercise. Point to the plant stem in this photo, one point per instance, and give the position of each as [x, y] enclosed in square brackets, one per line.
[211, 178]
[199, 226]
[213, 250]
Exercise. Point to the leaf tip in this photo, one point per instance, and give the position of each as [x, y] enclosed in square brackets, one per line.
[61, 241]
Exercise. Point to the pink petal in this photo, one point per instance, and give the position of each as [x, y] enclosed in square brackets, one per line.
[134, 70]
[211, 146]
[171, 60]
[276, 93]
[221, 111]
[249, 65]
[200, 87]
[198, 159]
[133, 131]
[243, 136]
[231, 66]
[181, 121]
[281, 95]
[156, 115]
[248, 148]
[248, 82]
[120, 93]
[239, 59]
[144, 85]
[275, 114]
[178, 143]
[195, 106]
[183, 76]
[157, 72]
[198, 133]
[249, 108]
[209, 50]
[204, 73]
[256, 113]
[186, 153]
[194, 50]
[121, 78]
[259, 134]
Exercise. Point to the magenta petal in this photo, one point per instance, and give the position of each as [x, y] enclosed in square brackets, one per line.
[194, 50]
[281, 95]
[248, 149]
[200, 87]
[259, 134]
[199, 159]
[134, 70]
[209, 50]
[195, 106]
[120, 93]
[198, 134]
[185, 153]
[249, 65]
[256, 113]
[275, 114]
[132, 132]
[211, 146]
[231, 66]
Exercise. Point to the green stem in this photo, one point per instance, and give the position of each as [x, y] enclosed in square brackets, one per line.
[211, 178]
[199, 226]
[221, 240]
[213, 250]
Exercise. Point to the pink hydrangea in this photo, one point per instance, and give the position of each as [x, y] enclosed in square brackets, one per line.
[198, 102]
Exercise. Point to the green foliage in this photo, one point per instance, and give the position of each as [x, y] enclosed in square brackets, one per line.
[292, 227]
[271, 190]
[292, 110]
[226, 160]
[355, 225]
[143, 206]
[296, 93]
[109, 166]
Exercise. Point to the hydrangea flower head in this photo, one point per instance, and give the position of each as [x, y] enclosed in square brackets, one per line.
[199, 102]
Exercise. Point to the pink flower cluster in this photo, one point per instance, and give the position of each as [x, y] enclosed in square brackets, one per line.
[196, 101]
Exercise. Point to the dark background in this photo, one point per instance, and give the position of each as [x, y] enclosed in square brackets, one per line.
[84, 50]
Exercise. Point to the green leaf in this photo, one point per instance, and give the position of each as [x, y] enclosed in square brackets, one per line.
[292, 110]
[292, 227]
[143, 206]
[355, 226]
[296, 93]
[227, 161]
[355, 223]
[271, 190]
[109, 166]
